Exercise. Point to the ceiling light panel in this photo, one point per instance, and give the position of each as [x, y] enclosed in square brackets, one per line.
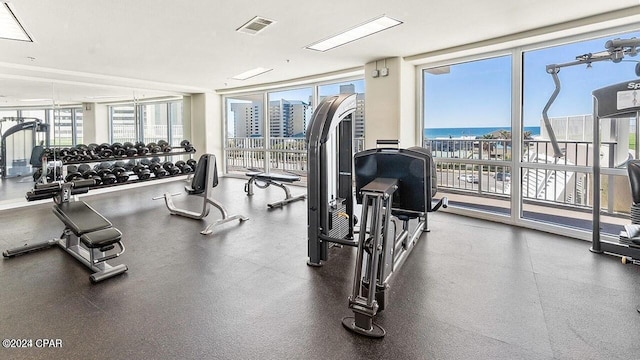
[370, 27]
[251, 73]
[10, 27]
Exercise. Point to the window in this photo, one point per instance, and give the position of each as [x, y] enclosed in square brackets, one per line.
[266, 130]
[176, 123]
[123, 123]
[467, 127]
[349, 87]
[245, 148]
[77, 114]
[150, 122]
[155, 122]
[557, 190]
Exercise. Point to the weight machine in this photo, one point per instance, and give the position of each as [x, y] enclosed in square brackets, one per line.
[19, 145]
[615, 101]
[389, 183]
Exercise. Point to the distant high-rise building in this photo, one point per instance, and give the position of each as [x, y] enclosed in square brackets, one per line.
[287, 118]
[247, 119]
[358, 115]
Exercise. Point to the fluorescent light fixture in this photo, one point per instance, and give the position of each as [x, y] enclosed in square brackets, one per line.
[370, 27]
[10, 27]
[251, 73]
[97, 97]
[35, 100]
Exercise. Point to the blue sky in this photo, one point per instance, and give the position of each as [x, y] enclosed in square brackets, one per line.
[478, 94]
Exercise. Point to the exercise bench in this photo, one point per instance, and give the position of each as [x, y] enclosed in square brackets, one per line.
[87, 236]
[263, 180]
[205, 178]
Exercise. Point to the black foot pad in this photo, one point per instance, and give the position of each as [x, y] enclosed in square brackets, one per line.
[376, 330]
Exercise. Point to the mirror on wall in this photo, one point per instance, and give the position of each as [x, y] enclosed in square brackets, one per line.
[40, 113]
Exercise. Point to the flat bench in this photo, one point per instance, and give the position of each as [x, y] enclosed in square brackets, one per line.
[263, 180]
[87, 236]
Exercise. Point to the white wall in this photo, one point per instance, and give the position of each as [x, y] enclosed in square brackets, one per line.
[390, 103]
[206, 125]
[95, 123]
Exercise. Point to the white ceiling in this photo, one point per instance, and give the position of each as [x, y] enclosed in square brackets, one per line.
[85, 49]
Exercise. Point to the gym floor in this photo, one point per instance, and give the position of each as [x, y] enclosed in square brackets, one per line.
[471, 289]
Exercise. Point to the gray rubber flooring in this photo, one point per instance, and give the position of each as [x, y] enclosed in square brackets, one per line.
[471, 289]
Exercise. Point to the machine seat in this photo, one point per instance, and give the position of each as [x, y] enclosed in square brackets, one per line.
[101, 238]
[80, 218]
[273, 177]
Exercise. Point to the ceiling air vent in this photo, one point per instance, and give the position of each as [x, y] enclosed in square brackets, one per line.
[255, 25]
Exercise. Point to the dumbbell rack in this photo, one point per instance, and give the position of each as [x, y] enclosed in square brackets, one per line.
[137, 157]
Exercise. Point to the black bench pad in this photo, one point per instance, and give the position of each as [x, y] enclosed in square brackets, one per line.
[101, 238]
[80, 217]
[277, 177]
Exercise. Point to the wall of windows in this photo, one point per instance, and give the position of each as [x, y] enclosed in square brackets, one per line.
[148, 122]
[494, 160]
[266, 130]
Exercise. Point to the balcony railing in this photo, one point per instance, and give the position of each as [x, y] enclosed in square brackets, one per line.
[285, 154]
[482, 166]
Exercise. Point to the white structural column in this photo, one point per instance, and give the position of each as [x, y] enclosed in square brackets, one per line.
[390, 111]
[95, 123]
[206, 125]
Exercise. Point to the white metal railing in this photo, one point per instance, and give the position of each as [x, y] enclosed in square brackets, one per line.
[482, 166]
[285, 154]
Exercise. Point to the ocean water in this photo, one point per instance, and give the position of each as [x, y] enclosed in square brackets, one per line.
[470, 132]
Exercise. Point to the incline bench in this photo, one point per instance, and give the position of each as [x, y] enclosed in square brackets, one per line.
[263, 180]
[87, 235]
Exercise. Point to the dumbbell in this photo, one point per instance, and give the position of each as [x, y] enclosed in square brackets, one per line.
[129, 165]
[192, 163]
[187, 146]
[120, 173]
[143, 150]
[184, 168]
[171, 168]
[105, 153]
[127, 145]
[107, 176]
[158, 170]
[72, 169]
[83, 167]
[142, 171]
[131, 152]
[92, 174]
[154, 166]
[154, 148]
[73, 176]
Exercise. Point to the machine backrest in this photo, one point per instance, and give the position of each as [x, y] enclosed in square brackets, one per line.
[414, 168]
[206, 163]
[633, 167]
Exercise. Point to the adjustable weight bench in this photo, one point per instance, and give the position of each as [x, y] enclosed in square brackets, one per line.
[263, 180]
[205, 178]
[87, 236]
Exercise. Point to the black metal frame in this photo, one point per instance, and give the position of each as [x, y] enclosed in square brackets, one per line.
[398, 183]
[330, 139]
[605, 105]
